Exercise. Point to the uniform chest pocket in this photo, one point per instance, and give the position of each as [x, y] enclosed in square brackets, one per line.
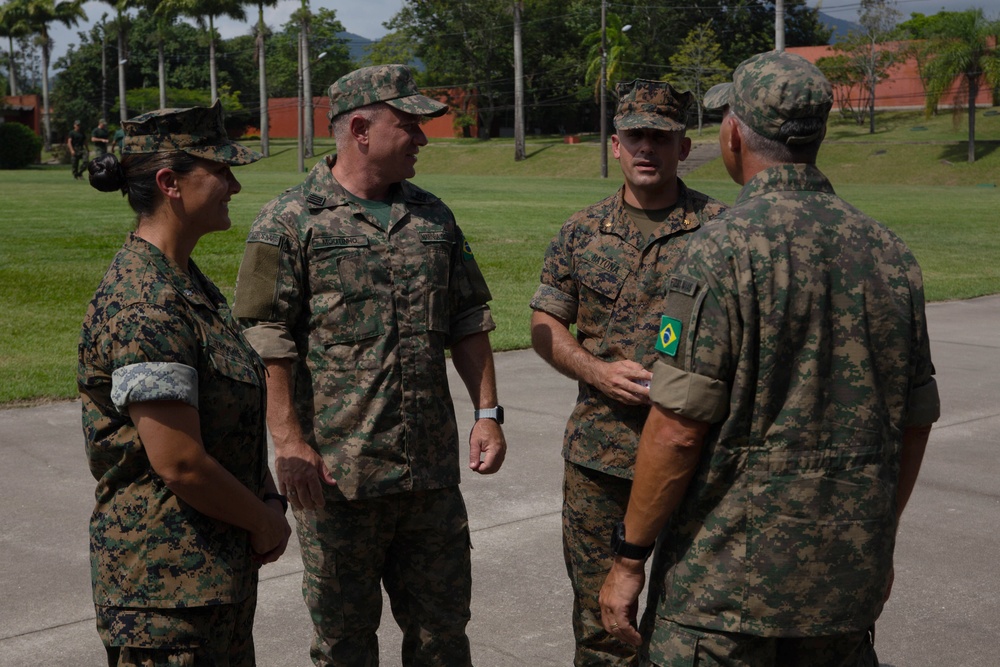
[601, 282]
[431, 293]
[344, 300]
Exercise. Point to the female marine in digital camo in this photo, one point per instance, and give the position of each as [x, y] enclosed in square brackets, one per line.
[173, 413]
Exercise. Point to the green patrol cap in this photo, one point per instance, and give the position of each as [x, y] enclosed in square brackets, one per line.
[197, 131]
[770, 88]
[645, 103]
[392, 84]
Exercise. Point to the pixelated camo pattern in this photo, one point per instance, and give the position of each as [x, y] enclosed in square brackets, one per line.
[154, 381]
[371, 312]
[602, 274]
[198, 131]
[381, 83]
[644, 103]
[148, 548]
[814, 316]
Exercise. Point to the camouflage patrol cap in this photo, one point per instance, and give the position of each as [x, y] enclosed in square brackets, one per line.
[392, 84]
[197, 131]
[644, 103]
[770, 88]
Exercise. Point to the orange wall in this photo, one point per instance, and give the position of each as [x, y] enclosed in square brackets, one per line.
[29, 114]
[282, 114]
[902, 89]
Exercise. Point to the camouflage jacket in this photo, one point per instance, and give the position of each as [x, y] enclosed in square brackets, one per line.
[601, 274]
[795, 326]
[154, 332]
[365, 316]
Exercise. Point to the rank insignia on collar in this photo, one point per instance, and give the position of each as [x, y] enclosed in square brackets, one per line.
[669, 336]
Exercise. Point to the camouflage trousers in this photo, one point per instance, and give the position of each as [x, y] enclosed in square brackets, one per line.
[213, 636]
[416, 544]
[673, 645]
[593, 503]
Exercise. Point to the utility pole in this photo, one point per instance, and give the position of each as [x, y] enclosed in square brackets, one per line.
[302, 157]
[265, 141]
[603, 86]
[307, 80]
[104, 67]
[518, 85]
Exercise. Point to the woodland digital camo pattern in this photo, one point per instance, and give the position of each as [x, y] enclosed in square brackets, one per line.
[771, 88]
[602, 274]
[197, 131]
[678, 646]
[186, 637]
[644, 103]
[148, 548]
[392, 84]
[365, 315]
[593, 504]
[812, 314]
[431, 596]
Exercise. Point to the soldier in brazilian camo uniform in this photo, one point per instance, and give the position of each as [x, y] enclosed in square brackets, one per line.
[793, 399]
[352, 287]
[604, 273]
[173, 413]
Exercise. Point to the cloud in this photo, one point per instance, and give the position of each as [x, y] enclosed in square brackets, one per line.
[848, 9]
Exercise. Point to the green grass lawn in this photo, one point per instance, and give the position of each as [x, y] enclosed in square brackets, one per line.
[59, 235]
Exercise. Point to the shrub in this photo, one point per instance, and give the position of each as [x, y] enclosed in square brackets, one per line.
[19, 146]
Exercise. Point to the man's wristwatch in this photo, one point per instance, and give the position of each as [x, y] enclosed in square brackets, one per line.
[619, 547]
[490, 413]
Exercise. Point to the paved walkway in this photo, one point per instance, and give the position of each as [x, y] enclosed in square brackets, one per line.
[945, 608]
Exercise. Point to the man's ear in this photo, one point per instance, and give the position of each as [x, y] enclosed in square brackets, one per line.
[167, 182]
[616, 146]
[358, 126]
[685, 149]
[735, 138]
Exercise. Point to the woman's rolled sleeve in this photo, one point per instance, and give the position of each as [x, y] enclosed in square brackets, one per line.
[154, 381]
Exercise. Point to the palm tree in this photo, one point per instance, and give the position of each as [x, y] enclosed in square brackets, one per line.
[13, 23]
[965, 48]
[39, 14]
[120, 7]
[165, 14]
[265, 146]
[205, 12]
[616, 43]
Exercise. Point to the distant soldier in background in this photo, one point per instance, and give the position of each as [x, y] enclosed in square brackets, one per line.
[76, 144]
[99, 137]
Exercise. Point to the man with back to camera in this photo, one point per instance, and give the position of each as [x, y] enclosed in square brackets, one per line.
[99, 137]
[792, 403]
[603, 272]
[352, 286]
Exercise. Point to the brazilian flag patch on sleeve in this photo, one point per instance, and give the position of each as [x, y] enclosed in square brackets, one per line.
[466, 250]
[669, 336]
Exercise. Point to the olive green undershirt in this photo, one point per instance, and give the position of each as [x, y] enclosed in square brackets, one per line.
[648, 220]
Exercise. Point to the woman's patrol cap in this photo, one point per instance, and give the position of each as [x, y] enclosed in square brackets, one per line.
[197, 131]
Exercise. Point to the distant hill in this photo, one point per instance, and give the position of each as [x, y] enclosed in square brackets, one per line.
[840, 26]
[355, 44]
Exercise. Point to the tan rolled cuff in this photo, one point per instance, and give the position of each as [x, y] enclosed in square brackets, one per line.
[697, 397]
[558, 304]
[924, 406]
[272, 341]
[475, 320]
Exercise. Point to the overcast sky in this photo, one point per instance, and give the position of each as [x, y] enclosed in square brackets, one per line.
[365, 18]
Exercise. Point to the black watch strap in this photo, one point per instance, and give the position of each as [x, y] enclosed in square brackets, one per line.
[619, 547]
[280, 498]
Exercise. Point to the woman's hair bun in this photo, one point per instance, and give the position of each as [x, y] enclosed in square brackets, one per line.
[106, 174]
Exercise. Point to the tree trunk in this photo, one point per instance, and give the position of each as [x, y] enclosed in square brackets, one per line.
[518, 86]
[46, 121]
[973, 94]
[265, 145]
[307, 91]
[13, 73]
[122, 57]
[162, 71]
[211, 60]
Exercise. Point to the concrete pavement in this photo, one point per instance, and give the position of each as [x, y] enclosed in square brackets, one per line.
[945, 608]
